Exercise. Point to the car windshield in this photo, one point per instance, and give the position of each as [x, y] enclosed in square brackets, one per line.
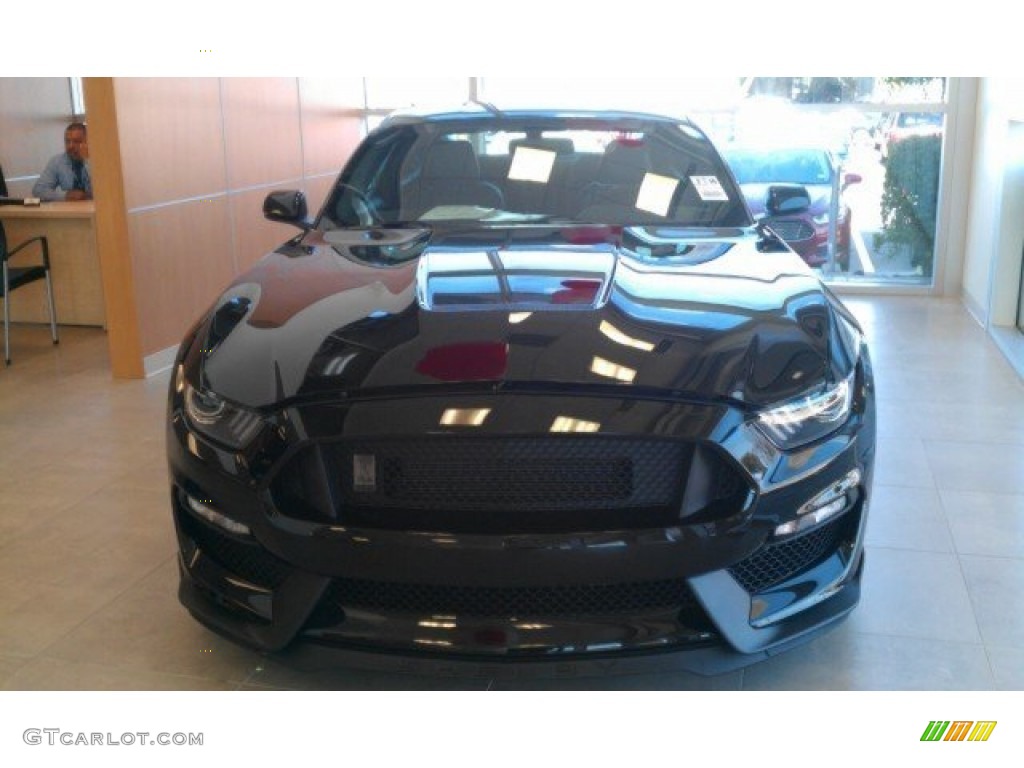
[501, 171]
[775, 166]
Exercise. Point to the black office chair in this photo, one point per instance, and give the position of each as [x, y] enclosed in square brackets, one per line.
[15, 277]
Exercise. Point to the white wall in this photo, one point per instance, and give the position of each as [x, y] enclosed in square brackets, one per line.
[1009, 230]
[33, 115]
[986, 265]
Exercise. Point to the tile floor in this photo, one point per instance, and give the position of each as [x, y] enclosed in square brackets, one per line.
[88, 578]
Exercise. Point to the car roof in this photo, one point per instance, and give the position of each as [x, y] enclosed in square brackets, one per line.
[482, 111]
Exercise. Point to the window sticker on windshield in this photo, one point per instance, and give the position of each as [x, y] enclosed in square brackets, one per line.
[709, 188]
[529, 164]
[656, 193]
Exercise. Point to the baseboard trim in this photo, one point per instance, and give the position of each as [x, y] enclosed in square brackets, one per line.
[160, 361]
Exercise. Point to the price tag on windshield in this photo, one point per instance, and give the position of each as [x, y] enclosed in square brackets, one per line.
[530, 164]
[709, 188]
[656, 193]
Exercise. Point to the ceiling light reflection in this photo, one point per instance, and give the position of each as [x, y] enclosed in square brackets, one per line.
[464, 417]
[619, 337]
[611, 370]
[569, 424]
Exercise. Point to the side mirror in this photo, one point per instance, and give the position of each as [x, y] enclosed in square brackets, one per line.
[851, 178]
[287, 206]
[786, 198]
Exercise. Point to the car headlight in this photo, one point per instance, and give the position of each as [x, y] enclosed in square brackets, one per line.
[809, 417]
[211, 415]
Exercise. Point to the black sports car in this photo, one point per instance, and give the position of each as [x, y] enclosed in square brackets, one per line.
[531, 386]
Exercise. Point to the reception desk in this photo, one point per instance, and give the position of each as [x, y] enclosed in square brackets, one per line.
[74, 264]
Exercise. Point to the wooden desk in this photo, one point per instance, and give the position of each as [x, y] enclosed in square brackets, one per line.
[74, 264]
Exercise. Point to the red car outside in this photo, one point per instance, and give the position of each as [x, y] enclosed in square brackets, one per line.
[806, 231]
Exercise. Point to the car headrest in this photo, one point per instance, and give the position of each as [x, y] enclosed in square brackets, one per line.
[451, 159]
[624, 163]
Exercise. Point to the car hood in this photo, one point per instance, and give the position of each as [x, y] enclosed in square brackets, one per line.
[756, 194]
[716, 315]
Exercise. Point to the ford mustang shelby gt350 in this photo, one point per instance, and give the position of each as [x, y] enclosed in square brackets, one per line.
[532, 385]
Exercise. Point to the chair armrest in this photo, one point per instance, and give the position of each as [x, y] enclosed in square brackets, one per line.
[43, 243]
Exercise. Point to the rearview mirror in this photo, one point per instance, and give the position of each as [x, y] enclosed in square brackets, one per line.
[287, 206]
[786, 198]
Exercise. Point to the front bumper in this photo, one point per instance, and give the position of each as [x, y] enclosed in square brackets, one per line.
[720, 589]
[305, 609]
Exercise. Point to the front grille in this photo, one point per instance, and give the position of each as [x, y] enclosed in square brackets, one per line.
[775, 563]
[513, 473]
[249, 561]
[508, 484]
[792, 230]
[518, 602]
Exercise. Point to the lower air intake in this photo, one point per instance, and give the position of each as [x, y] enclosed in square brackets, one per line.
[519, 602]
[776, 563]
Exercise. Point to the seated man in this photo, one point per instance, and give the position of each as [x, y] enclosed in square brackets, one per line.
[66, 176]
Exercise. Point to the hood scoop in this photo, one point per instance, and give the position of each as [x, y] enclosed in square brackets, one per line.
[514, 280]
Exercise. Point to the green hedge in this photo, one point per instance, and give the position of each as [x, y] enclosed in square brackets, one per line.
[910, 197]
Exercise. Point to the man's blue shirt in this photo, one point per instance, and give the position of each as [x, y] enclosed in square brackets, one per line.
[58, 178]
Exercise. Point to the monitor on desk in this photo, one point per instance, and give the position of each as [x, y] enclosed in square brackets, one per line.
[7, 201]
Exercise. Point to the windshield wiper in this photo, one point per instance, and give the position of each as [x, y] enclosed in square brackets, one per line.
[389, 234]
[568, 221]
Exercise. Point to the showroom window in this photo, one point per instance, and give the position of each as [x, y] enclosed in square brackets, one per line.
[878, 143]
[77, 98]
[868, 149]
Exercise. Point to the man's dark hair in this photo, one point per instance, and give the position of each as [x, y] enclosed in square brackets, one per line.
[77, 127]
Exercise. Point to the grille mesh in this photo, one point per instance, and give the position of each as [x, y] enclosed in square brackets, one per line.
[519, 602]
[775, 563]
[250, 561]
[513, 474]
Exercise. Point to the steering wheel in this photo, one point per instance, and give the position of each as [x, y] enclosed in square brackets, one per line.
[363, 207]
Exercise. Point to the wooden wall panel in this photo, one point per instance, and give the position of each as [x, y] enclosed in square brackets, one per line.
[261, 129]
[172, 143]
[113, 248]
[254, 235]
[34, 111]
[330, 131]
[182, 260]
[332, 92]
[181, 166]
[316, 190]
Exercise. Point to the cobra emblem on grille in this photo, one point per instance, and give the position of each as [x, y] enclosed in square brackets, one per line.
[364, 472]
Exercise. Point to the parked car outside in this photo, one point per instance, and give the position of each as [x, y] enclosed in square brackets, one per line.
[532, 387]
[807, 230]
[902, 125]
